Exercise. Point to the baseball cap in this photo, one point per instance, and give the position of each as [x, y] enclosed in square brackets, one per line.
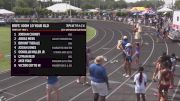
[124, 37]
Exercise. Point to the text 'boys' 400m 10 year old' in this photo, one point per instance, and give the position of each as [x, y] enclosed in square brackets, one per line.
[41, 49]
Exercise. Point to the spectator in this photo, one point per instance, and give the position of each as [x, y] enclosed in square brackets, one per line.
[88, 58]
[99, 79]
[140, 81]
[52, 85]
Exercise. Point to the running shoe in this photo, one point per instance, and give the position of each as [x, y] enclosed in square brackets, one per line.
[127, 76]
[171, 87]
[86, 83]
[77, 81]
[124, 74]
[155, 94]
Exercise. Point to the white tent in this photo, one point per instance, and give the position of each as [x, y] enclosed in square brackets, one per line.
[62, 7]
[93, 10]
[164, 9]
[6, 12]
[49, 0]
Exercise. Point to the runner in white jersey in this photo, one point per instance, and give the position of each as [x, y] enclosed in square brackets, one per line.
[140, 80]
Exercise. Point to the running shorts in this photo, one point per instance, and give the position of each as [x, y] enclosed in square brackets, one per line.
[100, 88]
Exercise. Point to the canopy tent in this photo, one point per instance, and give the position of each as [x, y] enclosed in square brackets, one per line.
[6, 12]
[164, 9]
[62, 7]
[93, 10]
[148, 11]
[137, 9]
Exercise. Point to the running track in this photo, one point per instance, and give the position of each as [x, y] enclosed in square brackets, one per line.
[104, 43]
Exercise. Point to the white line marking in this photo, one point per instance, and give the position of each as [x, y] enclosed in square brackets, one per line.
[3, 72]
[99, 40]
[133, 73]
[177, 88]
[18, 83]
[106, 42]
[9, 93]
[25, 91]
[7, 78]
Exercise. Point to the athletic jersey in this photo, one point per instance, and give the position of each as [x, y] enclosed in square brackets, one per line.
[124, 42]
[142, 84]
[98, 73]
[128, 51]
[52, 79]
[173, 61]
[137, 49]
[165, 77]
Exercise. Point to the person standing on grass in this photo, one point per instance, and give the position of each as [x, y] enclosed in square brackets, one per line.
[140, 81]
[52, 85]
[99, 79]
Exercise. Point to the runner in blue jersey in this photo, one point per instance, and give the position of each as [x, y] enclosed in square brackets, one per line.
[52, 85]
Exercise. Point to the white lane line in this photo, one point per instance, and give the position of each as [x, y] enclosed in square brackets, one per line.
[18, 83]
[105, 43]
[58, 89]
[3, 72]
[8, 93]
[167, 48]
[99, 40]
[26, 91]
[177, 88]
[133, 73]
[7, 78]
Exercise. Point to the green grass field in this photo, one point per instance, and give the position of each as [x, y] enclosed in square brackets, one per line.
[5, 45]
[5, 48]
[91, 32]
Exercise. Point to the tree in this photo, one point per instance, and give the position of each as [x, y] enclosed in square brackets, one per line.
[26, 3]
[177, 4]
[121, 4]
[7, 4]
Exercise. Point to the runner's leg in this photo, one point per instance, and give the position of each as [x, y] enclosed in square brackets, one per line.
[138, 96]
[96, 96]
[143, 97]
[102, 98]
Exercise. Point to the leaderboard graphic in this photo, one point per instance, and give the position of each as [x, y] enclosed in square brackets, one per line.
[41, 49]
